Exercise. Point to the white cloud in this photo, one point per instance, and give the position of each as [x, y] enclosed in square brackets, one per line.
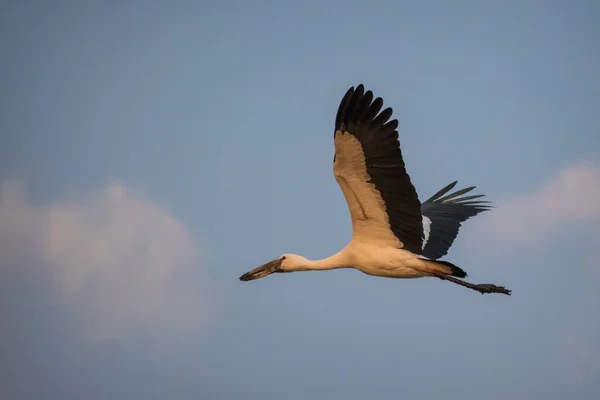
[573, 195]
[123, 263]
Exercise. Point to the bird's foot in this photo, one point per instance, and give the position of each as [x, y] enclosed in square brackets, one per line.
[482, 288]
[489, 288]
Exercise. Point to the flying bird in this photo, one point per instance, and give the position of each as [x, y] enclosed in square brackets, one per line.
[394, 235]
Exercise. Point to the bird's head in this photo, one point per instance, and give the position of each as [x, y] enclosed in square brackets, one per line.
[284, 263]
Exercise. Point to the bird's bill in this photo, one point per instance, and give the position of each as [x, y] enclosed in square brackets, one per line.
[262, 271]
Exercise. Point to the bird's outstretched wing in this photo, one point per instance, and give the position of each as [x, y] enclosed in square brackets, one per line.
[369, 168]
[443, 216]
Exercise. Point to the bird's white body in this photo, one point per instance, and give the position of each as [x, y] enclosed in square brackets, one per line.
[368, 258]
[387, 261]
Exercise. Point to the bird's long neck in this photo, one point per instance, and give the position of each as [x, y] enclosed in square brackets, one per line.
[338, 260]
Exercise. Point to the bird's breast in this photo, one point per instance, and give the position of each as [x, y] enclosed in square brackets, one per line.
[386, 261]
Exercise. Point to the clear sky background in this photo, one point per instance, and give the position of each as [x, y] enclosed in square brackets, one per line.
[153, 151]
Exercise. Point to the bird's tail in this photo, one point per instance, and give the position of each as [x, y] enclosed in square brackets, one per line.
[446, 268]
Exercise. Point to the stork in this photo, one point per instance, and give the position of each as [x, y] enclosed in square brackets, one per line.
[393, 234]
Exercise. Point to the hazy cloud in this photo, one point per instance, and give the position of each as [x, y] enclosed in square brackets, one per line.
[573, 195]
[119, 261]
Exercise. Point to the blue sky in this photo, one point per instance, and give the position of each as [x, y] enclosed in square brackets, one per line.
[153, 151]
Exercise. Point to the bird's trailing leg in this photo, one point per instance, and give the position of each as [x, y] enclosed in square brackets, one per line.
[481, 288]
